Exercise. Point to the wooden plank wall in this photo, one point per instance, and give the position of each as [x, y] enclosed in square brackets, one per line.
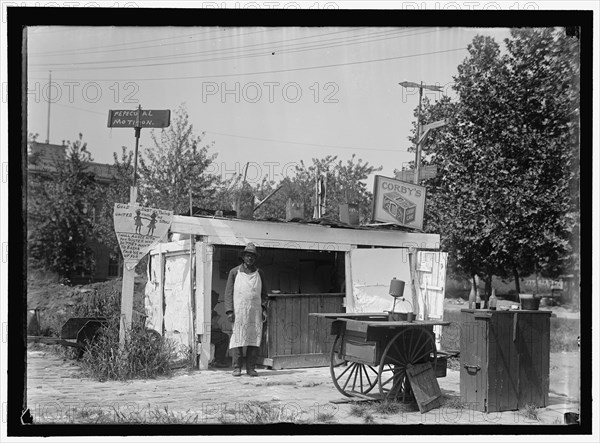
[533, 345]
[503, 363]
[292, 331]
[474, 351]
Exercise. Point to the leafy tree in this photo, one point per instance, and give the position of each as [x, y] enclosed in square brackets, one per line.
[60, 199]
[503, 199]
[116, 192]
[345, 184]
[176, 164]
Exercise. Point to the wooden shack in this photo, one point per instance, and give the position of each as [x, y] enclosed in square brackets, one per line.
[309, 267]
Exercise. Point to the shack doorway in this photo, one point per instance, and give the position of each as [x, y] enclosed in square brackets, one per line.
[298, 282]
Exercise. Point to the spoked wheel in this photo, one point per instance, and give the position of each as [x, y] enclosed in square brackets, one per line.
[409, 347]
[350, 377]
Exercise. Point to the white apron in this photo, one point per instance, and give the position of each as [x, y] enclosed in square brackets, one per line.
[247, 327]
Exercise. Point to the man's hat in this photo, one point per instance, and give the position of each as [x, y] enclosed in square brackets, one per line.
[251, 249]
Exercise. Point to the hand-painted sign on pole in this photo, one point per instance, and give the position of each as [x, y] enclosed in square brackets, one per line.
[139, 230]
[148, 118]
[398, 202]
[134, 245]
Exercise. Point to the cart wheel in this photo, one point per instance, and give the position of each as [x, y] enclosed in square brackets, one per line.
[410, 346]
[349, 377]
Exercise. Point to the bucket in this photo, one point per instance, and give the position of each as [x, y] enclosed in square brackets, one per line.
[529, 302]
[401, 316]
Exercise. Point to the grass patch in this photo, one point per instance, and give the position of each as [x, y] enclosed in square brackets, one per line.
[311, 384]
[262, 412]
[145, 354]
[384, 407]
[325, 417]
[145, 416]
[563, 335]
[453, 402]
[369, 419]
[387, 407]
[359, 409]
[530, 411]
[276, 383]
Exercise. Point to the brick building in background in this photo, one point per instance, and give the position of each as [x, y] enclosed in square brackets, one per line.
[106, 266]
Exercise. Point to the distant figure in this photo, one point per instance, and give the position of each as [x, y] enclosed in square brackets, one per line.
[138, 222]
[152, 224]
[217, 336]
[246, 308]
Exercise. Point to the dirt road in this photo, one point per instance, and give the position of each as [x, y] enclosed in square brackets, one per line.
[57, 393]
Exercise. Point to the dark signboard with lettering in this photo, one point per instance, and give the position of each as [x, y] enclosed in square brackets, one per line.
[149, 118]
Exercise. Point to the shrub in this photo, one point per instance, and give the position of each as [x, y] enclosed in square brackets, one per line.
[145, 353]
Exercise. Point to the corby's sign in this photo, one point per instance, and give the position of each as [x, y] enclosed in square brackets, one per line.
[398, 202]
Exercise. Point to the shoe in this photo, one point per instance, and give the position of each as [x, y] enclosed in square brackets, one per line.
[237, 372]
[219, 364]
[252, 373]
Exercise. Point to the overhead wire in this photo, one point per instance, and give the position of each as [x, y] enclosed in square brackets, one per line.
[360, 39]
[87, 49]
[259, 138]
[210, 51]
[248, 56]
[278, 71]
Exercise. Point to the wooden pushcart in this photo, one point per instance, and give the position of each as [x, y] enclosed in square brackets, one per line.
[370, 351]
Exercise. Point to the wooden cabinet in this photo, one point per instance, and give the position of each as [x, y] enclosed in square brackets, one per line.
[292, 338]
[504, 359]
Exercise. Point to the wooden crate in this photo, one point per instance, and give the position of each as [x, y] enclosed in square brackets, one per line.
[504, 359]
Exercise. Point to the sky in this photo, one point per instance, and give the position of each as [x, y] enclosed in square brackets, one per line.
[269, 96]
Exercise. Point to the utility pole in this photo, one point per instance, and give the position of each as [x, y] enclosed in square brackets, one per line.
[418, 139]
[49, 100]
[418, 145]
[133, 119]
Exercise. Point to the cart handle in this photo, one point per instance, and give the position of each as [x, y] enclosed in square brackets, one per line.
[472, 367]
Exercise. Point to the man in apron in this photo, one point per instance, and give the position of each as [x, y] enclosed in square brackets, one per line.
[245, 306]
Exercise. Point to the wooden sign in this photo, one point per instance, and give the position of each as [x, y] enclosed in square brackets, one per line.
[148, 118]
[429, 171]
[420, 85]
[139, 229]
[398, 202]
[434, 125]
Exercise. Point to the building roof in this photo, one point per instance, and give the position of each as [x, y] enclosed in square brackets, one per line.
[322, 234]
[48, 154]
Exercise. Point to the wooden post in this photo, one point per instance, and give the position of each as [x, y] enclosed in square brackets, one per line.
[414, 283]
[204, 256]
[417, 144]
[127, 288]
[193, 339]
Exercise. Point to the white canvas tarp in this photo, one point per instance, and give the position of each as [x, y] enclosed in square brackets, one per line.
[177, 301]
[153, 295]
[373, 269]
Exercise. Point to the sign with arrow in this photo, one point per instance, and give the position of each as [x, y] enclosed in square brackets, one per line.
[434, 125]
[418, 85]
[427, 129]
[425, 172]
